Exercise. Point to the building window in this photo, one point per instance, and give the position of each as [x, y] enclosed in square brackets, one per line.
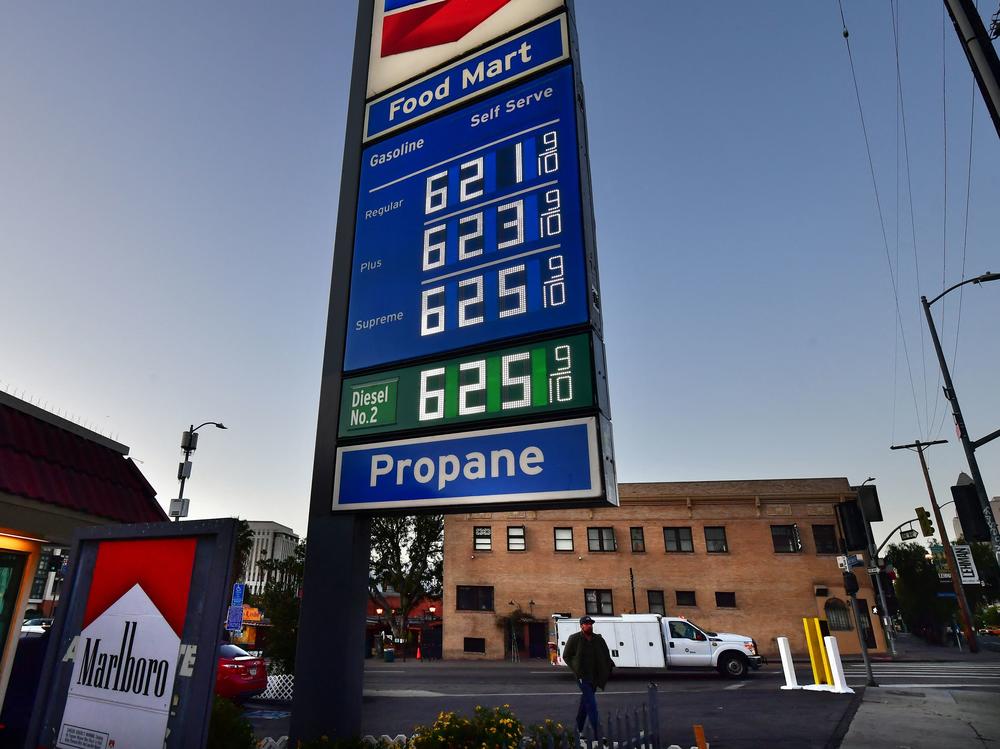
[677, 539]
[725, 600]
[482, 538]
[786, 539]
[601, 539]
[638, 539]
[598, 601]
[474, 597]
[515, 538]
[474, 645]
[715, 539]
[825, 537]
[655, 600]
[564, 539]
[686, 598]
[836, 615]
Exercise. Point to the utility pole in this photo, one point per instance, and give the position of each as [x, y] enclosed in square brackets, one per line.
[963, 433]
[979, 50]
[956, 580]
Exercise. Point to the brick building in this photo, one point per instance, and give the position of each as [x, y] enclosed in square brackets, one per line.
[752, 557]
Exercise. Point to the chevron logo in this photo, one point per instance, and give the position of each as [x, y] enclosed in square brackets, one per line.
[417, 24]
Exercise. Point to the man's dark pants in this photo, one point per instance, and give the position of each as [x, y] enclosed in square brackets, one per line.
[588, 707]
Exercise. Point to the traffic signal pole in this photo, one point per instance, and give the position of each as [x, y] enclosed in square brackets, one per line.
[956, 580]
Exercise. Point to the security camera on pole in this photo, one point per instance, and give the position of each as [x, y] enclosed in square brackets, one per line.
[189, 443]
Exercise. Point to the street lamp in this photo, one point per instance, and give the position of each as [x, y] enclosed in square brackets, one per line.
[963, 434]
[189, 443]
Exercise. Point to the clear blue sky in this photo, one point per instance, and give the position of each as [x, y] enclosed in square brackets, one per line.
[169, 177]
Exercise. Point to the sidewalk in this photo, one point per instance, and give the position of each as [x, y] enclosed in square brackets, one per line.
[911, 648]
[925, 719]
[894, 718]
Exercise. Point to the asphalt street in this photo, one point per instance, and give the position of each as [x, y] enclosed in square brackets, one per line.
[748, 713]
[399, 696]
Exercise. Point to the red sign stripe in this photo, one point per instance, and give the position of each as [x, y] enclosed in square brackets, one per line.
[431, 25]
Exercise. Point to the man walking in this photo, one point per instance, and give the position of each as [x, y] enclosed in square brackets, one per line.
[588, 657]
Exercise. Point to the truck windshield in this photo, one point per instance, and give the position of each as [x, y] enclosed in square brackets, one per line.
[706, 631]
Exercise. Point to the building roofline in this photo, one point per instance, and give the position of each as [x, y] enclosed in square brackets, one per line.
[6, 399]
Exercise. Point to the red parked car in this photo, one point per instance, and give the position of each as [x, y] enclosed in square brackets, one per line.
[240, 675]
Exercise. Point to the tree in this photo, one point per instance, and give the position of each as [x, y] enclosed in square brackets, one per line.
[917, 586]
[244, 546]
[407, 555]
[280, 604]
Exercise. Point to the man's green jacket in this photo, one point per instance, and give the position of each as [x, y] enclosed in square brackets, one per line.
[588, 660]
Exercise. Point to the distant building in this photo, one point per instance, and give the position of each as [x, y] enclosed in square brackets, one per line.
[55, 477]
[270, 541]
[752, 557]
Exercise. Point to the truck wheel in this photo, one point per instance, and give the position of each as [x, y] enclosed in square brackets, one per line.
[733, 665]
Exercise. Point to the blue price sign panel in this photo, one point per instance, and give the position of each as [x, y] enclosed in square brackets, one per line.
[469, 229]
[551, 462]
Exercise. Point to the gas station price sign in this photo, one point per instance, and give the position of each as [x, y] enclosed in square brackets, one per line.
[469, 229]
[535, 378]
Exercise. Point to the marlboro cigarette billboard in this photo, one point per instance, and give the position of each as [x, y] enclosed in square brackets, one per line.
[133, 658]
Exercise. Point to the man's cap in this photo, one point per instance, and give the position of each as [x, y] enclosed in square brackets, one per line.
[586, 620]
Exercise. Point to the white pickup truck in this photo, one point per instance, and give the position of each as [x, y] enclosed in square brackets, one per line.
[654, 641]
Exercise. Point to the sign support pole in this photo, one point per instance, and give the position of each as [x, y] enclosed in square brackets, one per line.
[335, 585]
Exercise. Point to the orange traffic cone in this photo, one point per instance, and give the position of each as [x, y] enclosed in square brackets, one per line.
[418, 652]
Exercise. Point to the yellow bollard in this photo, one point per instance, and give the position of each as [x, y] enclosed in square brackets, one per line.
[817, 652]
[822, 650]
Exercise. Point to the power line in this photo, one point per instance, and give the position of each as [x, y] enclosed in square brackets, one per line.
[878, 205]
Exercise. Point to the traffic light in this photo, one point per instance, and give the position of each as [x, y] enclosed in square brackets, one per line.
[925, 522]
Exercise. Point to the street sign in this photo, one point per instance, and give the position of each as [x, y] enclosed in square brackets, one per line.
[551, 462]
[234, 618]
[908, 535]
[967, 571]
[238, 594]
[873, 570]
[179, 507]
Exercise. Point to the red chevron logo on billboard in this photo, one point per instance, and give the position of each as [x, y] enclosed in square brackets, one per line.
[417, 24]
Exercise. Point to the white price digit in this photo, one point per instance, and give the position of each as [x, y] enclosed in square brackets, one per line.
[434, 245]
[437, 192]
[470, 229]
[561, 381]
[554, 290]
[470, 184]
[509, 380]
[518, 293]
[550, 221]
[479, 386]
[432, 311]
[476, 284]
[510, 216]
[548, 160]
[431, 399]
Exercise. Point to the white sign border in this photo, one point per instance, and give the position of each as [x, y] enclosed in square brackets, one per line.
[510, 498]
